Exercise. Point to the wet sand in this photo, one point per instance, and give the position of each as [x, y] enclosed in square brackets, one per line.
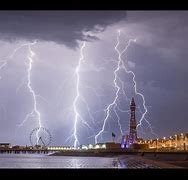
[162, 161]
[178, 164]
[168, 164]
[142, 162]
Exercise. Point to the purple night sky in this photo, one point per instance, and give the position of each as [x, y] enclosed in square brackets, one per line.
[158, 59]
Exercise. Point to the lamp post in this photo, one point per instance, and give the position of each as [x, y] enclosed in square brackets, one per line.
[157, 143]
[183, 141]
[164, 141]
[176, 140]
[170, 141]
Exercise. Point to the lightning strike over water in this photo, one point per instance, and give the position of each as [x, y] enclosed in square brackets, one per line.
[30, 55]
[114, 103]
[134, 82]
[35, 112]
[118, 84]
[117, 79]
[77, 115]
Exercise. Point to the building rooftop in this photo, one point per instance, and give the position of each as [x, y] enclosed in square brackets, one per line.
[4, 143]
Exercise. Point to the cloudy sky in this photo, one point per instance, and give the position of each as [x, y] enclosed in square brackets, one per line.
[158, 58]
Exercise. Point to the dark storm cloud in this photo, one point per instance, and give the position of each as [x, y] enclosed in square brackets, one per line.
[159, 60]
[167, 49]
[168, 29]
[60, 26]
[161, 66]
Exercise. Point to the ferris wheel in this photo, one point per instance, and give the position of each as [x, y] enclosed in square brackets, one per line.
[40, 136]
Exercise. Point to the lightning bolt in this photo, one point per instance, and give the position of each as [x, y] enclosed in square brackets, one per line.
[10, 57]
[79, 97]
[77, 115]
[34, 112]
[114, 104]
[134, 82]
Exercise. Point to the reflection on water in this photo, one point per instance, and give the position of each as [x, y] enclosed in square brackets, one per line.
[44, 161]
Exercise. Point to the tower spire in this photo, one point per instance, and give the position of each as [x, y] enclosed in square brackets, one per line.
[127, 140]
[133, 124]
[132, 102]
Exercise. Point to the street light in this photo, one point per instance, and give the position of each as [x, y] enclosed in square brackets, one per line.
[176, 140]
[164, 141]
[157, 143]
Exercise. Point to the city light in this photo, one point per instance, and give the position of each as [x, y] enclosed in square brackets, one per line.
[97, 146]
[84, 147]
[90, 146]
[104, 146]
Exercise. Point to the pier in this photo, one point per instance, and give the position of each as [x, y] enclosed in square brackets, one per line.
[25, 151]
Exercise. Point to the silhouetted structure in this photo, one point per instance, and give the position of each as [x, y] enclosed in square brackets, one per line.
[5, 145]
[130, 139]
[132, 132]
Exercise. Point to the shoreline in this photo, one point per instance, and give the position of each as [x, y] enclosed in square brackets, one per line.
[157, 160]
[125, 161]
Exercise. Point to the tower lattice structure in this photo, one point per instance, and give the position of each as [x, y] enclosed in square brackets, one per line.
[133, 124]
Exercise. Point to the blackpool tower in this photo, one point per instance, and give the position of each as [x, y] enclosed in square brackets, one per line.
[132, 125]
[131, 138]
